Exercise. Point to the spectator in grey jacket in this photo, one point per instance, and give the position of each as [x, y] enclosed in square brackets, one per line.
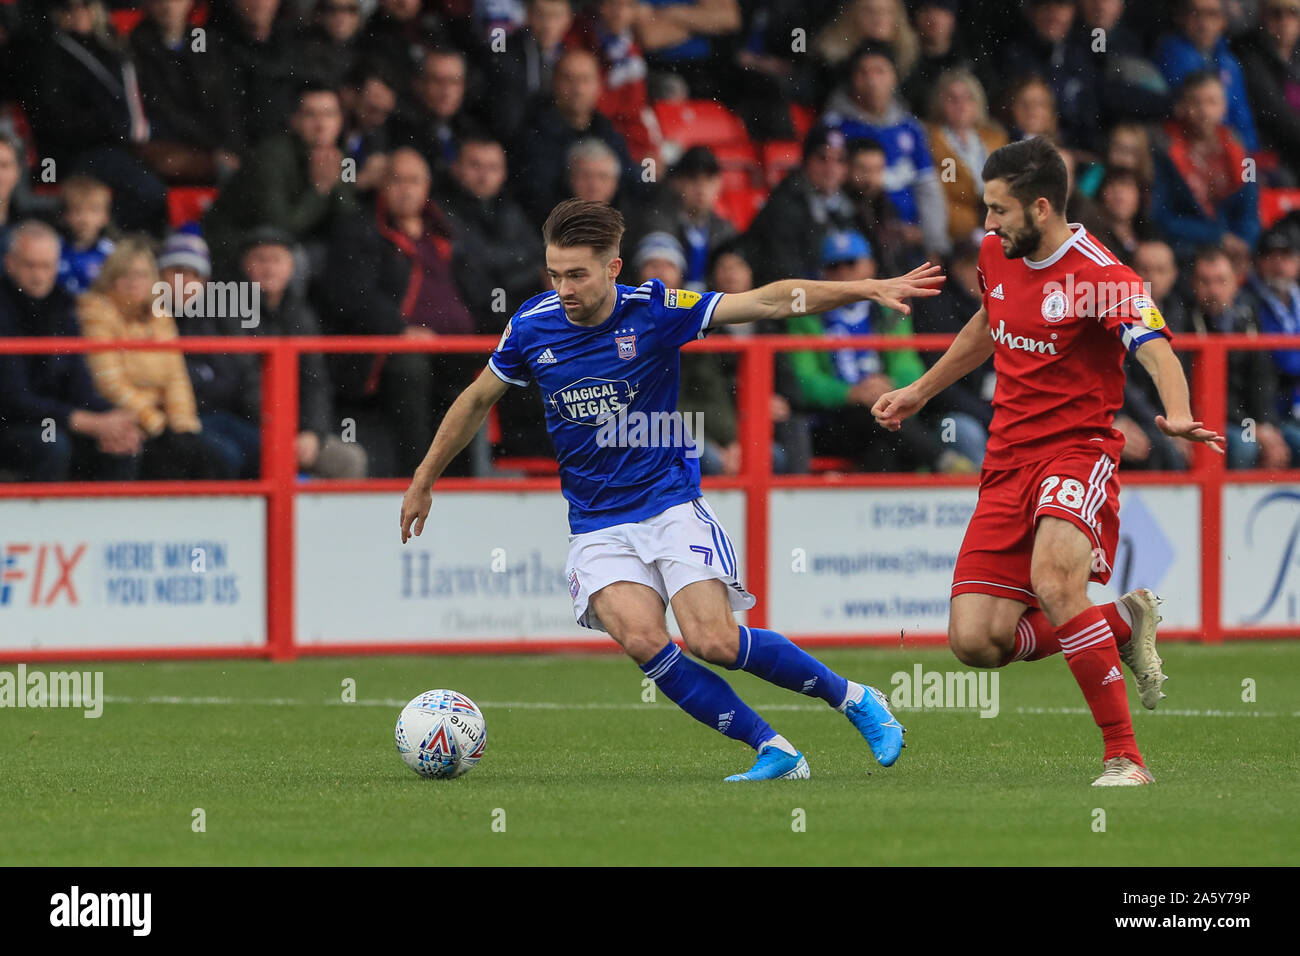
[326, 447]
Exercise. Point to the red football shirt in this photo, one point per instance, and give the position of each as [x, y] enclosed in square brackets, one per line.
[1060, 329]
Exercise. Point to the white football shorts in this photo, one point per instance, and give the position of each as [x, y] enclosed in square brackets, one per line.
[677, 547]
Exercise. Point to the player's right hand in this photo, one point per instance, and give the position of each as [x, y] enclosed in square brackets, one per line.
[415, 508]
[894, 406]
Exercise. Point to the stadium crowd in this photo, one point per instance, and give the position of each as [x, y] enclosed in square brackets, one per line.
[382, 167]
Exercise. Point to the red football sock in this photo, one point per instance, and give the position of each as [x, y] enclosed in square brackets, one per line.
[1089, 648]
[1118, 625]
[1035, 638]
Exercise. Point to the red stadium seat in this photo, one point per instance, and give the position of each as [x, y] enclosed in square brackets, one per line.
[1276, 203]
[736, 178]
[188, 203]
[699, 123]
[739, 164]
[124, 21]
[740, 206]
[803, 118]
[779, 158]
[821, 464]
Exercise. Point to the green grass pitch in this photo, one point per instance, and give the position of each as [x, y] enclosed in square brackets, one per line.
[580, 771]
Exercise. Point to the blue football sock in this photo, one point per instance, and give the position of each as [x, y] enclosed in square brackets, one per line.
[706, 696]
[774, 658]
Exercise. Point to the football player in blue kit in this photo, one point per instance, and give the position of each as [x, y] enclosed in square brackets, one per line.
[606, 358]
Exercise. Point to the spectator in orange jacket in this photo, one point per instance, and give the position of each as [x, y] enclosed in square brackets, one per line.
[961, 138]
[155, 386]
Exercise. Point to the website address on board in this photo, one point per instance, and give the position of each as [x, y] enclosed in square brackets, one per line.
[896, 606]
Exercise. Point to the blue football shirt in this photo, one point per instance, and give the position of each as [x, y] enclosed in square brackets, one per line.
[612, 471]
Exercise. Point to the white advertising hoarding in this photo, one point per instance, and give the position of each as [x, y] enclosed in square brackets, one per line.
[880, 561]
[490, 566]
[132, 572]
[1261, 560]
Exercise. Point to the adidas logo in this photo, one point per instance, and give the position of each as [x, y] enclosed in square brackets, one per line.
[724, 721]
[1112, 676]
[997, 292]
[547, 358]
[808, 685]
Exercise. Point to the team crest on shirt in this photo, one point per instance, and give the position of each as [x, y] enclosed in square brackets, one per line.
[626, 345]
[1055, 305]
[680, 298]
[1147, 311]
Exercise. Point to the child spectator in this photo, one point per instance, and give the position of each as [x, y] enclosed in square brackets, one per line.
[86, 220]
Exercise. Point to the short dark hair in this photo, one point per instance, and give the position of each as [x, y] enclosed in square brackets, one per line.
[871, 48]
[1209, 254]
[1032, 169]
[865, 145]
[1196, 79]
[735, 246]
[581, 222]
[309, 87]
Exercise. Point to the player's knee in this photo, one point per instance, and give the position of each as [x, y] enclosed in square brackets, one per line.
[717, 642]
[1053, 588]
[642, 644]
[974, 644]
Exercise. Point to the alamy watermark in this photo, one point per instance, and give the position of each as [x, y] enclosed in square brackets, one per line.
[920, 689]
[653, 430]
[80, 689]
[214, 300]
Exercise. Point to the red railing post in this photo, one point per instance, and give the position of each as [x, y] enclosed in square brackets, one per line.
[280, 468]
[1211, 399]
[754, 386]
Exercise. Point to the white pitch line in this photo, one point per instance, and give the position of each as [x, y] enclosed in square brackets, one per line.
[553, 705]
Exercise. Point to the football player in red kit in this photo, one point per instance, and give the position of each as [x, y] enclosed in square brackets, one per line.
[1059, 312]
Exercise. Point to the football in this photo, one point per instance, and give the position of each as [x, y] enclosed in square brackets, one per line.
[441, 734]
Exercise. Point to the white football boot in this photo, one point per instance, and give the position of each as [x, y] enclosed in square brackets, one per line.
[1140, 651]
[1123, 772]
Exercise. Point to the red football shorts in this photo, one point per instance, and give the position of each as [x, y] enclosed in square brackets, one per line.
[1079, 485]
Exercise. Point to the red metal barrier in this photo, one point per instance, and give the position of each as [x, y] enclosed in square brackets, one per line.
[279, 483]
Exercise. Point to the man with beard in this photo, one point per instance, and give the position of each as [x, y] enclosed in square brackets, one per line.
[1059, 314]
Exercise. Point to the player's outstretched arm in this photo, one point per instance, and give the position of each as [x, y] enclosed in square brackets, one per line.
[1158, 358]
[969, 350]
[459, 425]
[780, 300]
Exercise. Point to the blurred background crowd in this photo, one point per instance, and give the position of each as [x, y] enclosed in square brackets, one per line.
[382, 167]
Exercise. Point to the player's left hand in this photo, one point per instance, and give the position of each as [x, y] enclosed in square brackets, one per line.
[924, 280]
[1192, 431]
[415, 509]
